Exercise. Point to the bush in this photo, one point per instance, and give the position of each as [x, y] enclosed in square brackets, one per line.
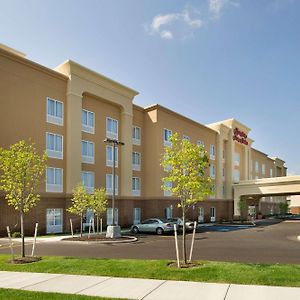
[16, 234]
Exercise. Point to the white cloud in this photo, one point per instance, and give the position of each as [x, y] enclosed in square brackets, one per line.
[177, 23]
[216, 7]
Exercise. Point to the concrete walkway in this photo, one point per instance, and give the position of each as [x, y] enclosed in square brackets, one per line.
[148, 289]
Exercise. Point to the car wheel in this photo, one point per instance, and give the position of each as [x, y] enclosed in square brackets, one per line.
[159, 231]
[135, 229]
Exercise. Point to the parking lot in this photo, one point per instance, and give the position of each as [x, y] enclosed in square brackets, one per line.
[270, 242]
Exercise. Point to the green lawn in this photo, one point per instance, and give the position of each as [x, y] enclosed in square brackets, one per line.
[24, 295]
[262, 274]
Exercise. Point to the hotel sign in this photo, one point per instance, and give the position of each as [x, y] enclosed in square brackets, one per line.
[240, 136]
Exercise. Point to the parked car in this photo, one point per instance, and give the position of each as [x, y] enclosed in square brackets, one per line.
[189, 225]
[154, 225]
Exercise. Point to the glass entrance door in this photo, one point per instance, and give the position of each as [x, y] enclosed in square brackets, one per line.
[201, 215]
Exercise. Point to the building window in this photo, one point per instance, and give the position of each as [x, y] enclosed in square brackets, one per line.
[136, 215]
[237, 159]
[168, 184]
[55, 111]
[271, 172]
[88, 181]
[212, 152]
[136, 186]
[263, 169]
[136, 161]
[167, 136]
[256, 166]
[223, 174]
[54, 145]
[109, 216]
[136, 135]
[212, 171]
[54, 218]
[200, 143]
[54, 180]
[109, 156]
[223, 190]
[88, 121]
[112, 128]
[186, 138]
[236, 176]
[109, 184]
[87, 152]
[213, 192]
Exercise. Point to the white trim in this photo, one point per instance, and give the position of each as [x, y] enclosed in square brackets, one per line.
[54, 119]
[86, 158]
[109, 191]
[136, 192]
[53, 187]
[55, 228]
[111, 134]
[87, 128]
[136, 141]
[109, 163]
[167, 143]
[54, 153]
[90, 189]
[136, 167]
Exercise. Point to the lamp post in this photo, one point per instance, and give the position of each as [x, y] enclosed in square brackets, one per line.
[113, 231]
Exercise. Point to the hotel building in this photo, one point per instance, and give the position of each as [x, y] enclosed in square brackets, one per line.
[69, 111]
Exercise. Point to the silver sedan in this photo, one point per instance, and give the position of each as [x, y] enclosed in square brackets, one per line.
[157, 226]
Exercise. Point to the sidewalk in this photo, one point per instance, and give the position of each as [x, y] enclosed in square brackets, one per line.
[148, 289]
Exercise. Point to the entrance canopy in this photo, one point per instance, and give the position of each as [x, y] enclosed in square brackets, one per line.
[276, 186]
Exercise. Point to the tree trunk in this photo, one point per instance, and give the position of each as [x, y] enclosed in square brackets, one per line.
[22, 233]
[81, 224]
[183, 236]
[97, 224]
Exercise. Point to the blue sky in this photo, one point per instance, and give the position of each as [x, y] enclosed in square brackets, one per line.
[207, 59]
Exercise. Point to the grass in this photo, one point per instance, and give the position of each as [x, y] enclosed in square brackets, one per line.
[221, 272]
[24, 295]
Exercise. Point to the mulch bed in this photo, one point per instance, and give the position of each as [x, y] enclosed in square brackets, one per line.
[94, 238]
[24, 260]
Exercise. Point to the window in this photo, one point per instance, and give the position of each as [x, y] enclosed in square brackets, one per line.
[109, 156]
[109, 184]
[88, 180]
[212, 152]
[136, 161]
[54, 180]
[212, 171]
[136, 186]
[236, 176]
[223, 190]
[168, 184]
[136, 215]
[213, 190]
[223, 174]
[88, 121]
[55, 111]
[256, 166]
[54, 218]
[167, 135]
[263, 169]
[200, 143]
[112, 128]
[109, 216]
[271, 172]
[136, 135]
[186, 137]
[54, 145]
[223, 155]
[237, 159]
[87, 152]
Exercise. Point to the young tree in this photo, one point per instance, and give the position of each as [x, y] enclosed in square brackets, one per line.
[242, 204]
[98, 203]
[22, 171]
[80, 203]
[283, 207]
[185, 164]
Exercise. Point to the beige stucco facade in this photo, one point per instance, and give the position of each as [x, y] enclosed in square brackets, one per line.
[26, 86]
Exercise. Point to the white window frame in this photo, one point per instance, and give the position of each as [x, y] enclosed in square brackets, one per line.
[137, 213]
[212, 152]
[256, 167]
[136, 140]
[111, 134]
[52, 213]
[109, 163]
[168, 193]
[271, 172]
[87, 159]
[109, 190]
[136, 190]
[54, 187]
[186, 137]
[167, 143]
[236, 176]
[212, 171]
[223, 174]
[136, 167]
[55, 153]
[90, 189]
[237, 159]
[85, 127]
[200, 143]
[109, 215]
[263, 169]
[54, 119]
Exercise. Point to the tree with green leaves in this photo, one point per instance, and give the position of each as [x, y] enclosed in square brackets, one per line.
[283, 207]
[242, 205]
[98, 203]
[185, 164]
[80, 203]
[22, 173]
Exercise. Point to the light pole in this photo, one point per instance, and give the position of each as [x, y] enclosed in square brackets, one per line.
[113, 230]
